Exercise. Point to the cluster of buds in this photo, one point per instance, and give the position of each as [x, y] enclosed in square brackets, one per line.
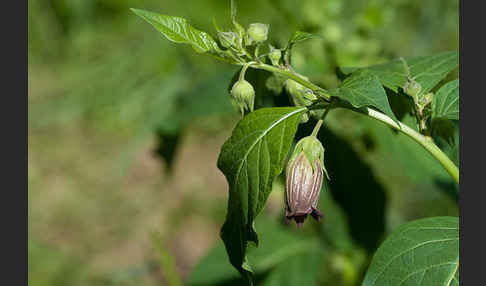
[421, 101]
[305, 173]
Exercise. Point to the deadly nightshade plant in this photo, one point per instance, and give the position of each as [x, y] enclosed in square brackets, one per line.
[254, 155]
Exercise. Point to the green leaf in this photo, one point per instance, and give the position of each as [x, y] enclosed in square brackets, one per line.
[277, 245]
[300, 269]
[428, 71]
[177, 30]
[422, 252]
[445, 103]
[250, 159]
[364, 89]
[299, 36]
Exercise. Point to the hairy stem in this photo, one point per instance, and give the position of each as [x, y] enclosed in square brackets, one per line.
[294, 76]
[426, 142]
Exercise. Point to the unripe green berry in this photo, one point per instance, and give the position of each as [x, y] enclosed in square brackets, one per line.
[257, 33]
[243, 94]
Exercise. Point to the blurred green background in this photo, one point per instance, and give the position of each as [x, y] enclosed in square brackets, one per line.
[125, 130]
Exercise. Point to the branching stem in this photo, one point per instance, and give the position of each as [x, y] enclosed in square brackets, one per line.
[425, 141]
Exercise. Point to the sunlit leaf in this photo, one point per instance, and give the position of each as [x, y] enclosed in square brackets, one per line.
[445, 103]
[422, 252]
[250, 159]
[176, 29]
[364, 89]
[428, 71]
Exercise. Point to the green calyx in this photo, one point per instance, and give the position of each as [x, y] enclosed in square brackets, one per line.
[243, 95]
[313, 151]
[257, 33]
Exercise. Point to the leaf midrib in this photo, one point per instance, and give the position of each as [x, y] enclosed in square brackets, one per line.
[245, 157]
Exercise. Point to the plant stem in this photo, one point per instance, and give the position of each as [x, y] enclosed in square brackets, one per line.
[426, 142]
[243, 71]
[317, 127]
[294, 76]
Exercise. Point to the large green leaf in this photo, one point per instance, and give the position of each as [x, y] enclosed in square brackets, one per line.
[445, 103]
[177, 30]
[422, 252]
[250, 159]
[428, 71]
[364, 89]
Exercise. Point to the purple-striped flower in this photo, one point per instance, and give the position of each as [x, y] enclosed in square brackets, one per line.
[305, 171]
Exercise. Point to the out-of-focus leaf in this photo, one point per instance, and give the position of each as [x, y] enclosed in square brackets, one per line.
[428, 71]
[364, 89]
[445, 103]
[250, 159]
[422, 252]
[176, 29]
[301, 269]
[275, 83]
[359, 198]
[277, 246]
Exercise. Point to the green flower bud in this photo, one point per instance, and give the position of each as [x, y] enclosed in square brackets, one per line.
[305, 171]
[243, 95]
[300, 95]
[257, 33]
[412, 88]
[228, 39]
[275, 55]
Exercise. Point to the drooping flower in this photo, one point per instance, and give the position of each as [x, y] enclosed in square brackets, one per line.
[305, 171]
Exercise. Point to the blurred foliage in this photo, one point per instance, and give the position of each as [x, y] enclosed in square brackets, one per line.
[109, 97]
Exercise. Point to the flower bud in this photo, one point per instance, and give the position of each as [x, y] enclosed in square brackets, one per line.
[227, 39]
[412, 88]
[274, 55]
[305, 171]
[300, 95]
[243, 94]
[257, 33]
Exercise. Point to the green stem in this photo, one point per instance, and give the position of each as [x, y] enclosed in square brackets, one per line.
[243, 71]
[426, 142]
[294, 76]
[317, 127]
